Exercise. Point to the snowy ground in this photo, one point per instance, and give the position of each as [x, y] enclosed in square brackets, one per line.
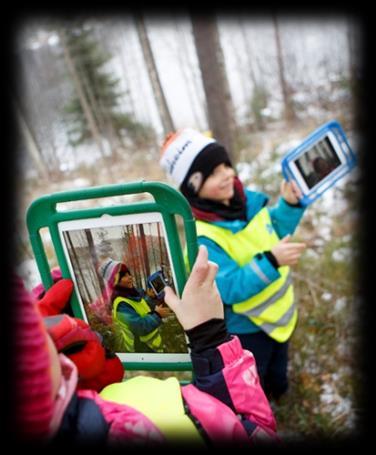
[323, 214]
[333, 203]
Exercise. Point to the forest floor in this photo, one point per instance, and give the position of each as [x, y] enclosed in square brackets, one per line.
[325, 381]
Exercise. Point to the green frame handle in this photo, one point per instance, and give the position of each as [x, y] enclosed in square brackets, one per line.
[43, 213]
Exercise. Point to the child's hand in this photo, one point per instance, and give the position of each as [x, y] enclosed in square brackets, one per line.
[290, 192]
[162, 311]
[200, 300]
[288, 253]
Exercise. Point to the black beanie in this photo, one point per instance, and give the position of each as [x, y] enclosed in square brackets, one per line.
[203, 165]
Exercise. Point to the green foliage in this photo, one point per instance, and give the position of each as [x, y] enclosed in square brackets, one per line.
[173, 336]
[140, 133]
[102, 93]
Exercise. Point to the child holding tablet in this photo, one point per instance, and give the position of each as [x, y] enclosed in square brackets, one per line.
[251, 244]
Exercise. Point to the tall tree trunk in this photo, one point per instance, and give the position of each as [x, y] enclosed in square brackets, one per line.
[109, 38]
[101, 117]
[94, 257]
[196, 78]
[248, 53]
[145, 255]
[351, 40]
[132, 46]
[216, 87]
[128, 92]
[31, 144]
[289, 110]
[77, 265]
[164, 112]
[183, 58]
[81, 93]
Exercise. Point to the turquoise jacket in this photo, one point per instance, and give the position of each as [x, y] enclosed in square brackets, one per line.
[237, 283]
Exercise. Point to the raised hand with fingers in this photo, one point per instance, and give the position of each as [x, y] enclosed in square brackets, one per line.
[286, 252]
[290, 192]
[163, 311]
[200, 300]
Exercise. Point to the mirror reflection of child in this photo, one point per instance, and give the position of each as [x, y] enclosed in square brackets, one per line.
[321, 168]
[224, 406]
[251, 244]
[137, 321]
[152, 298]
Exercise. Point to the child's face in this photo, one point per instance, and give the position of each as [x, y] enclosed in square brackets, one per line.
[126, 281]
[219, 186]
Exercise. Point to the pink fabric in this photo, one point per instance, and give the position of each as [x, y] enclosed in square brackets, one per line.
[38, 291]
[217, 419]
[66, 390]
[241, 375]
[126, 423]
[34, 403]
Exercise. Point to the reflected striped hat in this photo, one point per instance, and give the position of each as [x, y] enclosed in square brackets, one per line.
[109, 270]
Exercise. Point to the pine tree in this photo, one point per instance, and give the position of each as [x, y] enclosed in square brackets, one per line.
[101, 93]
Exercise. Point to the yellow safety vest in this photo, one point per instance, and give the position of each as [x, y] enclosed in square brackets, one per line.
[159, 400]
[153, 339]
[273, 309]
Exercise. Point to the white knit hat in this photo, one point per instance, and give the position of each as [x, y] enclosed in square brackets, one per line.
[108, 270]
[180, 150]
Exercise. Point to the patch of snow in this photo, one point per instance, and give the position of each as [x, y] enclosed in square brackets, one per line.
[80, 183]
[244, 171]
[342, 254]
[318, 242]
[328, 394]
[333, 403]
[340, 304]
[274, 109]
[268, 173]
[287, 146]
[312, 367]
[266, 112]
[325, 232]
[311, 253]
[302, 97]
[326, 296]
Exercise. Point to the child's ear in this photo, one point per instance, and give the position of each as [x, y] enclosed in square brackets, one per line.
[195, 182]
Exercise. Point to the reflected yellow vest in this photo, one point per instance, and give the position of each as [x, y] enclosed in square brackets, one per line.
[273, 309]
[159, 400]
[152, 339]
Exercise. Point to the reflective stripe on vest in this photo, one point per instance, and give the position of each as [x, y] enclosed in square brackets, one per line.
[159, 400]
[272, 309]
[153, 339]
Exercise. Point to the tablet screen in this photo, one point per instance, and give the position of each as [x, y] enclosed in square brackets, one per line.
[158, 284]
[110, 259]
[318, 161]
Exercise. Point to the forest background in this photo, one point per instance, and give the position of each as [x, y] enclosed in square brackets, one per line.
[96, 95]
